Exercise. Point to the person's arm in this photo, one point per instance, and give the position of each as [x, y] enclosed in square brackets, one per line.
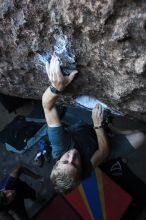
[23, 170]
[6, 216]
[103, 145]
[59, 82]
[48, 101]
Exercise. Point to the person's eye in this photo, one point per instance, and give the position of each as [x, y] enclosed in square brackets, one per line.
[65, 162]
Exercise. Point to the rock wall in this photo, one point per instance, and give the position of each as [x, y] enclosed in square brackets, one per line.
[109, 38]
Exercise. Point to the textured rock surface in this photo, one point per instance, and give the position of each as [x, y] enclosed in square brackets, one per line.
[109, 40]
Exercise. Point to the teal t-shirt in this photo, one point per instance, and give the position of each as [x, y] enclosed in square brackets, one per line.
[80, 136]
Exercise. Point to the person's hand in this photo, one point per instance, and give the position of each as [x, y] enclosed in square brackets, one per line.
[97, 115]
[57, 79]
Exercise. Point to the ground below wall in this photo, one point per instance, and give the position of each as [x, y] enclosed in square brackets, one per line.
[109, 42]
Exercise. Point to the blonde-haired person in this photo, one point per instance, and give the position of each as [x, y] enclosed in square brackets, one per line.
[81, 147]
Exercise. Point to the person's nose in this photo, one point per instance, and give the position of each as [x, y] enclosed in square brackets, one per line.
[71, 158]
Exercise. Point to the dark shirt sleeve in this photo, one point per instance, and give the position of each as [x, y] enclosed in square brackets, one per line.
[61, 141]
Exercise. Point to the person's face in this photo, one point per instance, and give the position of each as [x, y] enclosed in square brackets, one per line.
[70, 162]
[8, 196]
